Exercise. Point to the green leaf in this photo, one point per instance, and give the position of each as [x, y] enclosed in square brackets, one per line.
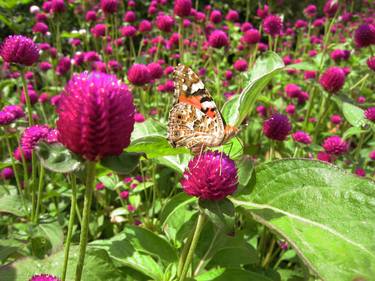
[220, 212]
[124, 163]
[265, 68]
[122, 251]
[54, 233]
[353, 114]
[97, 267]
[149, 128]
[148, 242]
[57, 158]
[175, 162]
[178, 201]
[234, 256]
[11, 247]
[321, 211]
[352, 131]
[302, 66]
[11, 4]
[225, 274]
[12, 204]
[245, 170]
[155, 147]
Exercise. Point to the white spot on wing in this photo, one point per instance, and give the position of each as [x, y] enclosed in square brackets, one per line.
[184, 87]
[197, 86]
[208, 104]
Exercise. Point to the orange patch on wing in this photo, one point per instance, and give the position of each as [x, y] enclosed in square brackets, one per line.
[193, 100]
[211, 113]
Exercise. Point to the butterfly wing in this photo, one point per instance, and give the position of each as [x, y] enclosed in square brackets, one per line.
[194, 121]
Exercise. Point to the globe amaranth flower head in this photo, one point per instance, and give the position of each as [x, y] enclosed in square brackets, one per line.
[182, 8]
[333, 79]
[218, 39]
[164, 22]
[370, 114]
[277, 127]
[139, 74]
[302, 137]
[109, 6]
[371, 63]
[96, 115]
[364, 36]
[32, 135]
[44, 277]
[251, 36]
[272, 25]
[210, 176]
[19, 49]
[330, 8]
[335, 145]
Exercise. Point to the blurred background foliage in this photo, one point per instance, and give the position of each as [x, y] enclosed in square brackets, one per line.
[16, 18]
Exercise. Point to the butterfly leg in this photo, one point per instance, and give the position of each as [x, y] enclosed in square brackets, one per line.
[200, 155]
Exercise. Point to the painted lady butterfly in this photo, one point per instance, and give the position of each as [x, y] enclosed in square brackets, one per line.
[194, 120]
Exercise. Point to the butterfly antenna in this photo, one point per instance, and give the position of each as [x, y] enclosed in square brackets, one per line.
[200, 155]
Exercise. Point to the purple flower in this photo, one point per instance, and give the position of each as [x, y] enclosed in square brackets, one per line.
[360, 172]
[130, 16]
[364, 36]
[19, 49]
[145, 26]
[310, 11]
[370, 114]
[98, 30]
[372, 155]
[7, 173]
[292, 90]
[371, 63]
[263, 12]
[164, 23]
[216, 16]
[44, 277]
[335, 145]
[333, 79]
[251, 36]
[32, 135]
[139, 117]
[63, 66]
[139, 74]
[57, 6]
[277, 127]
[322, 156]
[40, 27]
[44, 66]
[336, 119]
[290, 109]
[96, 115]
[330, 8]
[156, 71]
[272, 25]
[240, 65]
[6, 118]
[124, 194]
[210, 176]
[90, 16]
[128, 31]
[182, 8]
[218, 39]
[109, 6]
[232, 16]
[302, 137]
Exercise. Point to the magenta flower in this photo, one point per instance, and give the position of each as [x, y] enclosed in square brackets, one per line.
[215, 16]
[19, 49]
[370, 114]
[130, 17]
[251, 36]
[182, 8]
[96, 115]
[240, 65]
[124, 194]
[218, 39]
[32, 135]
[360, 172]
[364, 36]
[6, 173]
[90, 16]
[335, 145]
[98, 30]
[302, 137]
[40, 27]
[6, 118]
[333, 79]
[290, 109]
[156, 71]
[336, 119]
[330, 8]
[371, 63]
[372, 155]
[272, 25]
[63, 66]
[277, 127]
[322, 156]
[145, 26]
[232, 16]
[164, 22]
[263, 12]
[210, 176]
[109, 6]
[57, 6]
[139, 74]
[16, 110]
[44, 277]
[128, 31]
[310, 11]
[292, 90]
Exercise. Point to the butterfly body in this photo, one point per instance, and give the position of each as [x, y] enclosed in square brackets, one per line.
[194, 120]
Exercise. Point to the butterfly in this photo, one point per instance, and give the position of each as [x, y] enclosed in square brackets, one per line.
[194, 121]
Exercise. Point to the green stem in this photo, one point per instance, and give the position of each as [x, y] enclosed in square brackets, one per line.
[363, 79]
[324, 109]
[194, 242]
[27, 97]
[90, 171]
[40, 193]
[33, 181]
[73, 202]
[267, 259]
[309, 108]
[206, 256]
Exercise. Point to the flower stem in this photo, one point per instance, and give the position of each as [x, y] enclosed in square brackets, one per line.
[40, 191]
[73, 202]
[90, 179]
[194, 242]
[309, 108]
[27, 97]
